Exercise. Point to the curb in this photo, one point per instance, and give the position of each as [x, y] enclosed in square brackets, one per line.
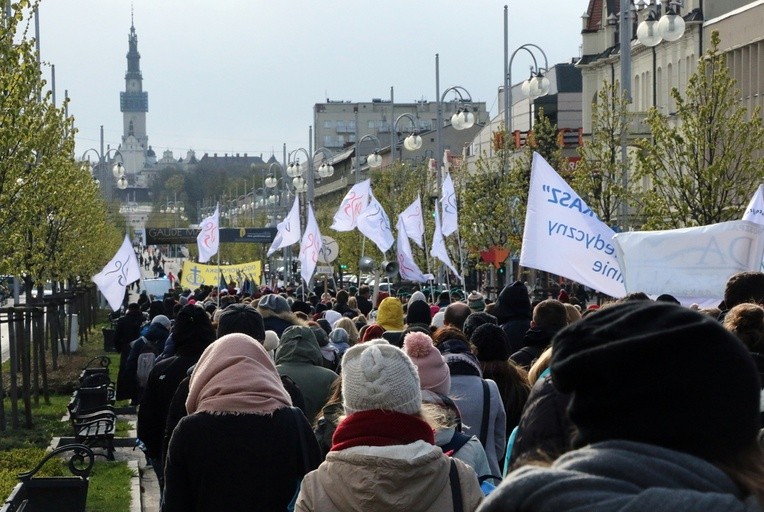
[135, 487]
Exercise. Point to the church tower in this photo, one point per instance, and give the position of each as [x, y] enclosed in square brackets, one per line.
[134, 103]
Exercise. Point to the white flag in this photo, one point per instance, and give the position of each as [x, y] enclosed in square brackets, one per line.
[755, 209]
[448, 203]
[122, 270]
[692, 264]
[412, 219]
[564, 237]
[438, 249]
[310, 247]
[352, 205]
[407, 267]
[288, 230]
[375, 224]
[208, 238]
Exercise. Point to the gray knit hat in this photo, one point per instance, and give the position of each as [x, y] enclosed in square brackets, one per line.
[377, 375]
[275, 303]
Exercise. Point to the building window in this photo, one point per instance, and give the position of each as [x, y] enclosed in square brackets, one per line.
[370, 124]
[328, 141]
[328, 123]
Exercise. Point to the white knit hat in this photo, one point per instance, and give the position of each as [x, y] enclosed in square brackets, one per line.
[377, 375]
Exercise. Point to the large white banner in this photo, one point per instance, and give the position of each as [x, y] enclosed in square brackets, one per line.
[563, 236]
[692, 264]
[413, 221]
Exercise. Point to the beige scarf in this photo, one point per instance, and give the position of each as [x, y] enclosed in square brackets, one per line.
[235, 375]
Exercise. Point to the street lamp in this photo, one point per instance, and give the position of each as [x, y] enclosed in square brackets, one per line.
[373, 160]
[535, 86]
[295, 171]
[462, 119]
[412, 142]
[98, 171]
[650, 32]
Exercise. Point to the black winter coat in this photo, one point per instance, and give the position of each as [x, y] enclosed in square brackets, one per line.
[237, 462]
[128, 329]
[152, 414]
[535, 342]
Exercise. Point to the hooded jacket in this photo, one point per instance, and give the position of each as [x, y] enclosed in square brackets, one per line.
[299, 357]
[513, 312]
[615, 476]
[278, 322]
[412, 478]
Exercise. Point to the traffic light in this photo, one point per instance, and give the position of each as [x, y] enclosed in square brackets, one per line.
[343, 266]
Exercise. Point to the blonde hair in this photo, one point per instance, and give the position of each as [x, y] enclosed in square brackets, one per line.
[349, 326]
[538, 367]
[572, 313]
[746, 469]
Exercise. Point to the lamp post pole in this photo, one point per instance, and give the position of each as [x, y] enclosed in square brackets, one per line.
[625, 46]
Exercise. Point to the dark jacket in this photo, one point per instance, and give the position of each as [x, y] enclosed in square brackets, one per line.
[128, 329]
[544, 425]
[152, 414]
[237, 462]
[615, 476]
[513, 313]
[535, 342]
[153, 340]
[364, 305]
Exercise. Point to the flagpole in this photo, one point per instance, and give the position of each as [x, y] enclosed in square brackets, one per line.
[461, 256]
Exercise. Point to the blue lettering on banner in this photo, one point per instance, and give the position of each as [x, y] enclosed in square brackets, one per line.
[755, 211]
[567, 200]
[589, 240]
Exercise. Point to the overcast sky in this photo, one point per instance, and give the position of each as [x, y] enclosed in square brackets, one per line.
[242, 76]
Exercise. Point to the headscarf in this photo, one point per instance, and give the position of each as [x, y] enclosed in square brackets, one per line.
[236, 375]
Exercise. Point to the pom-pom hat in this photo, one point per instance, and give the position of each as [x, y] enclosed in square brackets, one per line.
[433, 370]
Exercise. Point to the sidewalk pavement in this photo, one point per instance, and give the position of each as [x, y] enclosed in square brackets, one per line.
[145, 487]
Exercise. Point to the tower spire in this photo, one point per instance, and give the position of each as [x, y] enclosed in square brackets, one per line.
[132, 16]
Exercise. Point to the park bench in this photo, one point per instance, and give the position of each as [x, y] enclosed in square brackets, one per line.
[49, 494]
[91, 410]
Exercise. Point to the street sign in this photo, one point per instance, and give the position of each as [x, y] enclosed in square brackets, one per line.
[325, 270]
[159, 236]
[329, 251]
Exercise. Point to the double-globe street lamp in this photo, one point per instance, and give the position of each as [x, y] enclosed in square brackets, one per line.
[650, 32]
[99, 170]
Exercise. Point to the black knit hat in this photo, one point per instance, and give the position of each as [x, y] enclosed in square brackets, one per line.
[660, 374]
[418, 312]
[475, 320]
[491, 343]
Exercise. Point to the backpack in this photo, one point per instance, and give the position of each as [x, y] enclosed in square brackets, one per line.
[146, 360]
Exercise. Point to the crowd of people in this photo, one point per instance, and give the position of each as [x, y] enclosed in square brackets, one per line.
[266, 401]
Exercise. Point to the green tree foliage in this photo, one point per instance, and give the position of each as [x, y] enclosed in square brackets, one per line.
[53, 220]
[493, 198]
[702, 168]
[597, 177]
